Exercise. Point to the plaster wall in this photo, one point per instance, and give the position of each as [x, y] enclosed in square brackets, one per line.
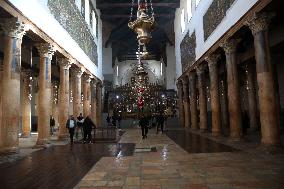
[171, 68]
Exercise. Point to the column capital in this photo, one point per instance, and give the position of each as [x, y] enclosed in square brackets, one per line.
[200, 69]
[86, 78]
[13, 27]
[184, 80]
[259, 22]
[192, 75]
[65, 63]
[45, 50]
[78, 72]
[212, 60]
[179, 84]
[230, 45]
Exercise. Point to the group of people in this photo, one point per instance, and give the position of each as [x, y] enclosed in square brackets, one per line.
[114, 120]
[80, 124]
[144, 123]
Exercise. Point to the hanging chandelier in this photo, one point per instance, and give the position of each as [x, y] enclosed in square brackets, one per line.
[144, 24]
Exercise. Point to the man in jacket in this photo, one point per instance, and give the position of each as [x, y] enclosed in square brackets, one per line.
[71, 124]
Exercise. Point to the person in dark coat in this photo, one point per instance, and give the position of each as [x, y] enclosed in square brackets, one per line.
[87, 127]
[80, 121]
[160, 122]
[144, 122]
[108, 120]
[52, 125]
[71, 124]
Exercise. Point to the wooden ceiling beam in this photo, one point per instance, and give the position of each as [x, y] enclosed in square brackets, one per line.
[125, 5]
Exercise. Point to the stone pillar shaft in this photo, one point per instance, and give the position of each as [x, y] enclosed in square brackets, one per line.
[44, 95]
[94, 103]
[77, 91]
[202, 100]
[26, 105]
[266, 92]
[251, 98]
[99, 104]
[180, 104]
[193, 101]
[186, 103]
[214, 93]
[13, 31]
[234, 105]
[86, 96]
[64, 64]
[1, 125]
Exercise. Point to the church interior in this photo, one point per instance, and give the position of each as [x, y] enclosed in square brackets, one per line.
[141, 94]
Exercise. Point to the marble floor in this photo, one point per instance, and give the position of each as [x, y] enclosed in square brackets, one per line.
[171, 167]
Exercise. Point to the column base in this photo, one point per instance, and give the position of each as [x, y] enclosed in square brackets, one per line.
[216, 133]
[9, 150]
[42, 143]
[270, 149]
[63, 136]
[203, 130]
[235, 139]
[25, 135]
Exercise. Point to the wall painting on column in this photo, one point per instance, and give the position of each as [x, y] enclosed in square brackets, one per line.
[187, 50]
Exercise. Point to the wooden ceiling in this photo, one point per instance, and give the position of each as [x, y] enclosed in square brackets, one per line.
[123, 40]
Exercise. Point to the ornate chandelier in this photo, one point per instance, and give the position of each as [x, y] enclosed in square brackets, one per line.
[144, 24]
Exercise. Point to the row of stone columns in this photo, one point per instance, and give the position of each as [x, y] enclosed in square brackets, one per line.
[10, 100]
[266, 93]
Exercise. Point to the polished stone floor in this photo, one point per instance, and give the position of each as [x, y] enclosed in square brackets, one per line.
[173, 167]
[178, 159]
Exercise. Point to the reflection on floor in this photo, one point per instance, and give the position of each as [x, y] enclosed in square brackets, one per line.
[171, 167]
[193, 143]
[58, 166]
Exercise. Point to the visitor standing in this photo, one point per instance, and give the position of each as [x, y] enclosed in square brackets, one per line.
[79, 128]
[70, 125]
[52, 125]
[143, 122]
[87, 127]
[160, 122]
[108, 120]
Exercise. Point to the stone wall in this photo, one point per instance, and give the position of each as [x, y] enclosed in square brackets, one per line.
[70, 18]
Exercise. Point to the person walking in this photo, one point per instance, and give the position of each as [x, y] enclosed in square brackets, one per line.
[108, 120]
[79, 128]
[160, 122]
[52, 125]
[119, 118]
[71, 125]
[143, 122]
[87, 127]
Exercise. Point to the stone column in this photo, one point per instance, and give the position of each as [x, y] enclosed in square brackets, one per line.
[46, 52]
[99, 103]
[214, 93]
[64, 64]
[77, 106]
[86, 95]
[202, 98]
[185, 89]
[94, 102]
[234, 105]
[266, 92]
[54, 99]
[1, 89]
[11, 103]
[193, 100]
[224, 107]
[26, 104]
[180, 103]
[251, 98]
